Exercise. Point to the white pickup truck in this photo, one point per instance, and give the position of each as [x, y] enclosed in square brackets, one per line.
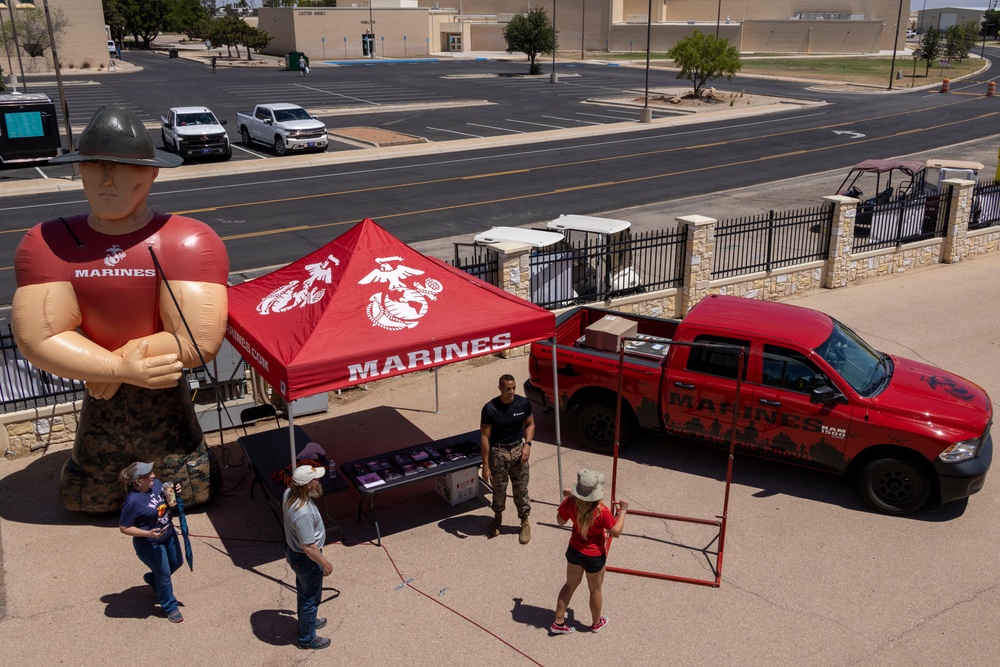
[284, 127]
[195, 132]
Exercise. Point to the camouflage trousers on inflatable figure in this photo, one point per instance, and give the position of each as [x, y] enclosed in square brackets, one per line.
[137, 425]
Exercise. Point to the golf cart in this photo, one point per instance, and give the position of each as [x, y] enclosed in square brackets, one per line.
[896, 210]
[603, 263]
[551, 281]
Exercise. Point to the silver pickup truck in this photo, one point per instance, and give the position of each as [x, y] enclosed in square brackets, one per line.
[195, 132]
[284, 127]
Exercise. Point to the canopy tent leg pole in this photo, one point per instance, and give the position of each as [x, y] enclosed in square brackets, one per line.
[437, 402]
[291, 431]
[555, 390]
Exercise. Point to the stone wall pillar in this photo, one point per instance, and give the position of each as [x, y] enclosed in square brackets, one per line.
[845, 211]
[956, 241]
[515, 278]
[700, 259]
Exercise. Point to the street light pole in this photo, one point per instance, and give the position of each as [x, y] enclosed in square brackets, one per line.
[17, 49]
[718, 18]
[647, 114]
[553, 78]
[371, 31]
[895, 42]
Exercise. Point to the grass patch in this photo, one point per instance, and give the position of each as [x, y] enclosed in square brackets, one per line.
[855, 70]
[862, 69]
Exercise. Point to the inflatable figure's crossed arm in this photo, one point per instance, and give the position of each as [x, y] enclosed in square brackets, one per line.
[46, 317]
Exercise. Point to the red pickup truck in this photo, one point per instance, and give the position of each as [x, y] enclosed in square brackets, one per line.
[813, 393]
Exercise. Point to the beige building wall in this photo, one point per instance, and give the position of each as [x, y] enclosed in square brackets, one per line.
[83, 43]
[587, 25]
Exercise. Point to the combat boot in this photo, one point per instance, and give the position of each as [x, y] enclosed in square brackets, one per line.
[525, 535]
[495, 526]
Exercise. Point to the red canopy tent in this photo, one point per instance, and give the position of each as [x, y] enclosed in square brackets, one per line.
[366, 306]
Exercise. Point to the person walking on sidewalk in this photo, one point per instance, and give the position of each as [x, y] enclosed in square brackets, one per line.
[305, 535]
[146, 519]
[506, 428]
[587, 552]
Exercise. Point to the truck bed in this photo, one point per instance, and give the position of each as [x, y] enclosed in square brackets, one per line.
[571, 331]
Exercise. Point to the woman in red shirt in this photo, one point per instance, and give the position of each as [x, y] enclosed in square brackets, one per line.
[587, 552]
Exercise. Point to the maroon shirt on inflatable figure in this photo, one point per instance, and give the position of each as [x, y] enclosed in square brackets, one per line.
[92, 305]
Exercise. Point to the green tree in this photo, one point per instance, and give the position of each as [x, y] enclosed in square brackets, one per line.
[703, 58]
[143, 19]
[33, 31]
[116, 22]
[932, 46]
[531, 34]
[226, 31]
[991, 23]
[255, 39]
[186, 16]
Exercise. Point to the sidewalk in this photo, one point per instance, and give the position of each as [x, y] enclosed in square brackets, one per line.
[811, 578]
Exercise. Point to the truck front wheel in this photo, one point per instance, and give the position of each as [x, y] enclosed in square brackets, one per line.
[279, 146]
[594, 423]
[895, 485]
[245, 136]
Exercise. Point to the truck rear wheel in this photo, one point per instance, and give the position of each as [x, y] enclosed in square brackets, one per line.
[895, 485]
[245, 136]
[594, 422]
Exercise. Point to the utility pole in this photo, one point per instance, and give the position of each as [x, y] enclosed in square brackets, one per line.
[895, 41]
[59, 85]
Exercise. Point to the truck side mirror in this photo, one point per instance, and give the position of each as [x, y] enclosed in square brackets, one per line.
[223, 122]
[826, 394]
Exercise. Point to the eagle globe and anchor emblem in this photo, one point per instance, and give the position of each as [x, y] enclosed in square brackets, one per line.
[399, 307]
[404, 303]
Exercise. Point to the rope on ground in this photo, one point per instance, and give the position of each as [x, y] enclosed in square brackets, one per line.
[457, 613]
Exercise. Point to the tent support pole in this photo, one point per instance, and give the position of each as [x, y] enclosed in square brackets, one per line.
[291, 430]
[555, 394]
[437, 403]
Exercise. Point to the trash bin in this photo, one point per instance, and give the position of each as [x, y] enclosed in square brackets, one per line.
[173, 53]
[292, 60]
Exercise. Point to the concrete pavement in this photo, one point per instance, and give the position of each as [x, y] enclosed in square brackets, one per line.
[810, 576]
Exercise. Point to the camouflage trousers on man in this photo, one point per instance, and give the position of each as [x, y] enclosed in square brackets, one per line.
[136, 424]
[505, 464]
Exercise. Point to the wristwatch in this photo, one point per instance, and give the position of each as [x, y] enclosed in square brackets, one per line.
[528, 443]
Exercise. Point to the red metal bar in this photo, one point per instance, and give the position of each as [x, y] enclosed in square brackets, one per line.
[720, 522]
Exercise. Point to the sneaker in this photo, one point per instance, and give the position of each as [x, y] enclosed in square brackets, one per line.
[495, 526]
[596, 627]
[320, 623]
[150, 579]
[561, 629]
[175, 616]
[318, 643]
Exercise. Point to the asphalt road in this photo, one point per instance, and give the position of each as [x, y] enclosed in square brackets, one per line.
[273, 217]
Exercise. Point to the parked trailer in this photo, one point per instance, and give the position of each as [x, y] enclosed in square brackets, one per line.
[28, 128]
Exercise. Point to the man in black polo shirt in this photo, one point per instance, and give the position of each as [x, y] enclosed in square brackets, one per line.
[506, 428]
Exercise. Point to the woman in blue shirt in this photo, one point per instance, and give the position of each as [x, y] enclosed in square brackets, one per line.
[146, 519]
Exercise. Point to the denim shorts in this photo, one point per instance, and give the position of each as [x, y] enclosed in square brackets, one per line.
[591, 564]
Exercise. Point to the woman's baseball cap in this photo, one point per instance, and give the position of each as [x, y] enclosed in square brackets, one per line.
[141, 470]
[589, 485]
[305, 474]
[115, 134]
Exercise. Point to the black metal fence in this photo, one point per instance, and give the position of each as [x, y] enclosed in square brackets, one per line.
[480, 261]
[772, 240]
[985, 206]
[904, 220]
[600, 267]
[22, 386]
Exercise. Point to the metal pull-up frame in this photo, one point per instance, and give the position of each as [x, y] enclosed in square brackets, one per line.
[719, 521]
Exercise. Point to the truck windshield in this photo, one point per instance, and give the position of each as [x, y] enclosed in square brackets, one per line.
[283, 115]
[196, 119]
[866, 370]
